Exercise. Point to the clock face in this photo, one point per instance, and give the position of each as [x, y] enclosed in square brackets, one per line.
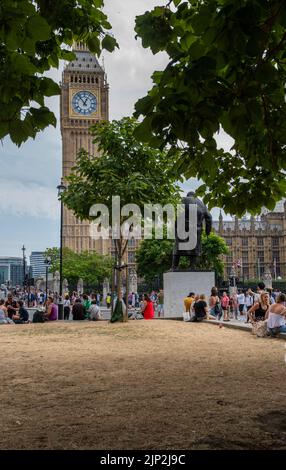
[84, 103]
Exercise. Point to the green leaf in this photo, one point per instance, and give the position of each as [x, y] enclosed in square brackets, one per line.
[48, 87]
[37, 28]
[94, 45]
[109, 43]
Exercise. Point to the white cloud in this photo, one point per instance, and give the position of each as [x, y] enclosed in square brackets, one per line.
[18, 199]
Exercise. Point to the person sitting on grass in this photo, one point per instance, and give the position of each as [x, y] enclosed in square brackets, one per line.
[22, 316]
[200, 309]
[276, 317]
[94, 311]
[4, 319]
[78, 312]
[3, 307]
[147, 308]
[52, 310]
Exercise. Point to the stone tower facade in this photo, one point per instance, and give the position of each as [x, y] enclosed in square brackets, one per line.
[84, 101]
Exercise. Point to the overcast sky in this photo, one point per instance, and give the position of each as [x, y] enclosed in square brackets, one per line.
[29, 175]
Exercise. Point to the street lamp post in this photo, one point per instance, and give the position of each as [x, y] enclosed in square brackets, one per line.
[233, 276]
[61, 188]
[24, 266]
[47, 263]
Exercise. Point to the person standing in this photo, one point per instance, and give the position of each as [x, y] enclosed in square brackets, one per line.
[108, 300]
[133, 300]
[260, 290]
[225, 306]
[241, 302]
[234, 303]
[188, 302]
[147, 308]
[161, 303]
[249, 301]
[86, 305]
[67, 307]
[214, 304]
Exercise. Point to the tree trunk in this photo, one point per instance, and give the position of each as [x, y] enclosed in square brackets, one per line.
[120, 252]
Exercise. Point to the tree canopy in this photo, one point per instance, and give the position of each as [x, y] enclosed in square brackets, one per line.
[34, 36]
[91, 267]
[227, 71]
[155, 256]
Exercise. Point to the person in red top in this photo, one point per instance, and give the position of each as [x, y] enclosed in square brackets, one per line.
[147, 309]
[225, 306]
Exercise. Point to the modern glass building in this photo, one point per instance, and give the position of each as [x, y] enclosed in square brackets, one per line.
[37, 263]
[11, 270]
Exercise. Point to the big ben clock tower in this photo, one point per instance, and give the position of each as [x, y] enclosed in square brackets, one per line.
[84, 101]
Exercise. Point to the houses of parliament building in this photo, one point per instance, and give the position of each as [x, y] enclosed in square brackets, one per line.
[257, 243]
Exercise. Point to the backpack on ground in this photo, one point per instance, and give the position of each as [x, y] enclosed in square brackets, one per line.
[38, 317]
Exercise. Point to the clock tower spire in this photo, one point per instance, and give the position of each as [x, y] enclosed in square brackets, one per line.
[84, 101]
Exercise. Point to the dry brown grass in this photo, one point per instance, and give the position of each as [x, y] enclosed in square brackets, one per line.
[141, 385]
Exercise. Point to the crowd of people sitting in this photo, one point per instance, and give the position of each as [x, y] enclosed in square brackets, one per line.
[76, 306]
[264, 309]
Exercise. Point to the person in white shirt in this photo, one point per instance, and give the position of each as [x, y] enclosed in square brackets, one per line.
[276, 316]
[241, 302]
[94, 311]
[249, 301]
[67, 307]
[260, 290]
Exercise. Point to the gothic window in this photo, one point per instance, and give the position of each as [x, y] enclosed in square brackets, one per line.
[92, 80]
[246, 272]
[244, 257]
[260, 256]
[75, 79]
[276, 255]
[245, 242]
[275, 241]
[83, 79]
[131, 257]
[260, 241]
[228, 241]
[88, 80]
[96, 80]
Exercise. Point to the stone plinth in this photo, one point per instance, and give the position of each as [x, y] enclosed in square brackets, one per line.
[178, 284]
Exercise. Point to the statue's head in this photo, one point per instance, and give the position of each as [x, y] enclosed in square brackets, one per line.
[191, 194]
